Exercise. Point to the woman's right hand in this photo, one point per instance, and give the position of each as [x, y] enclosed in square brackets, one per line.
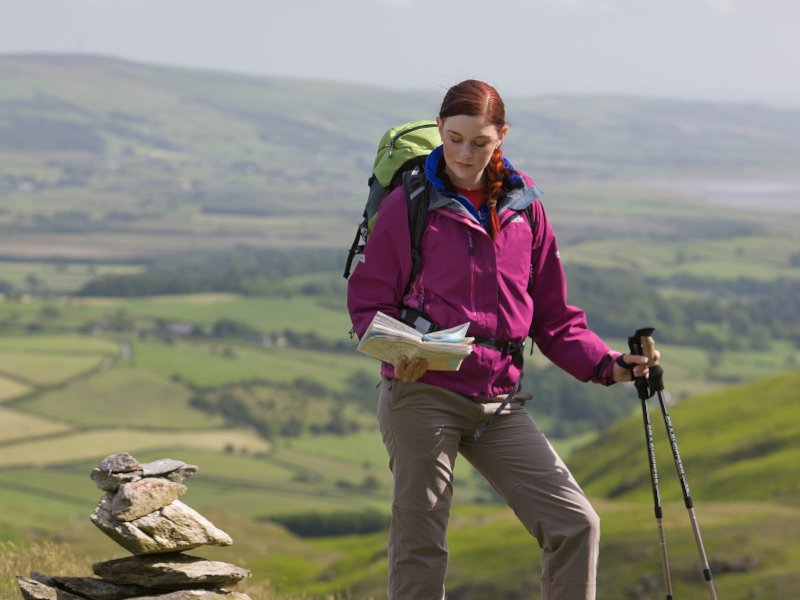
[410, 371]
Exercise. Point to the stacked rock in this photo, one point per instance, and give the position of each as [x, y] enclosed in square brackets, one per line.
[141, 512]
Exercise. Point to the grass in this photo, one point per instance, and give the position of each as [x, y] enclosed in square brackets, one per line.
[123, 397]
[47, 557]
[359, 449]
[491, 554]
[266, 314]
[60, 559]
[59, 278]
[205, 365]
[65, 343]
[10, 388]
[95, 444]
[759, 258]
[43, 369]
[15, 425]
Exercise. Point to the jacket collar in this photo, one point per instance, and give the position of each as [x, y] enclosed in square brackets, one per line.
[521, 195]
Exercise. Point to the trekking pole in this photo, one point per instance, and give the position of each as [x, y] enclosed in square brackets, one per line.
[642, 343]
[642, 389]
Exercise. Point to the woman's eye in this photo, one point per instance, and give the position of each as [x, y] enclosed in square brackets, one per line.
[454, 141]
[480, 145]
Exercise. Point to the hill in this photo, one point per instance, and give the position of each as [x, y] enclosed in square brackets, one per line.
[103, 106]
[741, 443]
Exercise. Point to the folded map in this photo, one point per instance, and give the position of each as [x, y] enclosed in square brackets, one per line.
[388, 340]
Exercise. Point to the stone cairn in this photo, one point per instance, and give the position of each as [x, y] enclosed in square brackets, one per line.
[141, 512]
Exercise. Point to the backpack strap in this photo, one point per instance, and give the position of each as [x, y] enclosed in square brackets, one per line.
[357, 247]
[417, 190]
[535, 231]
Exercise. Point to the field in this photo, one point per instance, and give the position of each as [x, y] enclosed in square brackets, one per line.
[122, 397]
[207, 365]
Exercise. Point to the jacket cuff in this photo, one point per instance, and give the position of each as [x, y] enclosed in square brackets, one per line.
[604, 372]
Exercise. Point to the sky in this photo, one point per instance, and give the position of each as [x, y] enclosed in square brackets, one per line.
[714, 50]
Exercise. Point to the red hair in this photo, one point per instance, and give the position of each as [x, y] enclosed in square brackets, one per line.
[474, 98]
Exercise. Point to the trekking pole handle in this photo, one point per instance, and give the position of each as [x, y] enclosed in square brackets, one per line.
[642, 343]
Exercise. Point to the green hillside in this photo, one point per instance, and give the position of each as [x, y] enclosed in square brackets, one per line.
[740, 443]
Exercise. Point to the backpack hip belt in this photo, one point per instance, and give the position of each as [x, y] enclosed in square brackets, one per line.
[424, 324]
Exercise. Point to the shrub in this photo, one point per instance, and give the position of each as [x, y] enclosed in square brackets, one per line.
[315, 524]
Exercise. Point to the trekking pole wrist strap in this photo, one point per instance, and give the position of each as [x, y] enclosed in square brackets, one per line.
[625, 365]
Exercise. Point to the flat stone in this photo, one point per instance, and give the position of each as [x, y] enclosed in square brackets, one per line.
[42, 578]
[120, 463]
[169, 571]
[125, 534]
[174, 528]
[198, 595]
[140, 498]
[182, 473]
[161, 467]
[33, 590]
[177, 523]
[110, 482]
[98, 589]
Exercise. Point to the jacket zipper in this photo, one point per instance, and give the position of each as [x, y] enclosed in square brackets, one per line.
[472, 270]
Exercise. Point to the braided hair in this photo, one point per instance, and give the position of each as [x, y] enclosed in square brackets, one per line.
[472, 98]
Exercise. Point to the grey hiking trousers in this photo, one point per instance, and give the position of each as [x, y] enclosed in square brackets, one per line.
[423, 428]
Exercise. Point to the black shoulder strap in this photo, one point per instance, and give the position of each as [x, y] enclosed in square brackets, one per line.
[529, 216]
[535, 231]
[417, 190]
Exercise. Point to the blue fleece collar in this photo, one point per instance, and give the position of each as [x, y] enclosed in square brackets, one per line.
[520, 198]
[432, 166]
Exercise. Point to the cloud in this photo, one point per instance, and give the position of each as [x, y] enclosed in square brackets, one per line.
[396, 3]
[718, 6]
[575, 5]
[724, 7]
[570, 4]
[116, 4]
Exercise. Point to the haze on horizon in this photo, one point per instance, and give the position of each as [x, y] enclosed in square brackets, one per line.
[714, 50]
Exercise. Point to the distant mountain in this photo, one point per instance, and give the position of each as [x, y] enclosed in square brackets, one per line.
[742, 443]
[56, 104]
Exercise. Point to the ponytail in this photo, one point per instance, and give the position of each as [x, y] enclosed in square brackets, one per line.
[496, 174]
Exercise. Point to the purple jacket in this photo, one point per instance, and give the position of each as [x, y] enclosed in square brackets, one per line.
[465, 277]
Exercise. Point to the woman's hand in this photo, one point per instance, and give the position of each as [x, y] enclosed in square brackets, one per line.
[410, 371]
[621, 374]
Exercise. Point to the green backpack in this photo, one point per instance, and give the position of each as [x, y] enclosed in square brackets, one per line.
[402, 152]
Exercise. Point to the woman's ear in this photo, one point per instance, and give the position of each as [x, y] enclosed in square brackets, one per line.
[440, 124]
[502, 135]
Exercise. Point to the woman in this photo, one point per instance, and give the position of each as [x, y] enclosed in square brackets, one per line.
[482, 262]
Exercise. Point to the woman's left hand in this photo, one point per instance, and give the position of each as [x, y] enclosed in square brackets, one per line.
[410, 371]
[621, 374]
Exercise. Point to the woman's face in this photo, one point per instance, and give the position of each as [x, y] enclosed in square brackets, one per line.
[469, 142]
